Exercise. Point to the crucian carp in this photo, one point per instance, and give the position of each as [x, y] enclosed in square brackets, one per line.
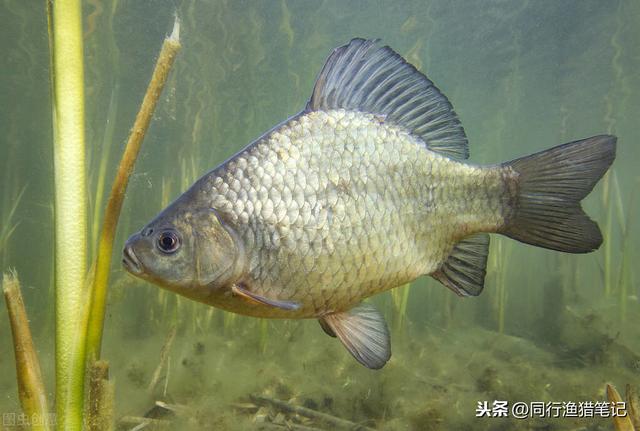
[364, 190]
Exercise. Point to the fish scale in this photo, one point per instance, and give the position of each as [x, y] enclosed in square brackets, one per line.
[387, 189]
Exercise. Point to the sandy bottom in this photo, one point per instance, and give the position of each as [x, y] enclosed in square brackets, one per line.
[434, 380]
[436, 377]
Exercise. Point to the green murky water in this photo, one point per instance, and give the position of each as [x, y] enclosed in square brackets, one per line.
[522, 75]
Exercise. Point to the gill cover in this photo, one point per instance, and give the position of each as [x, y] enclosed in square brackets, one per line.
[219, 255]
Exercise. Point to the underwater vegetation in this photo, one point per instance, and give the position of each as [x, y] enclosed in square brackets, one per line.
[79, 295]
[630, 422]
[522, 76]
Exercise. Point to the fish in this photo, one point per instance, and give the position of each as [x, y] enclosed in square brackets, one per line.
[366, 189]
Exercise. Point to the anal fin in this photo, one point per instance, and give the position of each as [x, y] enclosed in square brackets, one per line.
[363, 331]
[465, 268]
[241, 290]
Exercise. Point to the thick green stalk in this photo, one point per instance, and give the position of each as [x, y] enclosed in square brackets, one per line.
[170, 48]
[70, 210]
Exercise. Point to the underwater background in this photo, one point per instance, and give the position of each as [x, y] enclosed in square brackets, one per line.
[522, 75]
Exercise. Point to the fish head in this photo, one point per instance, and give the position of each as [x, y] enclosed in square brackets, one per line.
[191, 252]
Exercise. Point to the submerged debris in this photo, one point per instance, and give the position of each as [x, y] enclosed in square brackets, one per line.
[164, 360]
[286, 412]
[137, 423]
[159, 417]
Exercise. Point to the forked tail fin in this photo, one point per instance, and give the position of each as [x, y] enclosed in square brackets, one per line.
[549, 186]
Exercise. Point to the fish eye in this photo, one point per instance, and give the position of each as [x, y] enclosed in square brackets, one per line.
[168, 241]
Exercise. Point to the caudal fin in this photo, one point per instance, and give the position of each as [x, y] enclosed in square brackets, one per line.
[549, 187]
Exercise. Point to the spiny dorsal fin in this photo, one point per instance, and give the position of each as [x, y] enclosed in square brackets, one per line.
[365, 77]
[464, 270]
[363, 331]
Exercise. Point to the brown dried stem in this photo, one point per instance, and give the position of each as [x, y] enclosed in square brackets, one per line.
[164, 355]
[33, 396]
[101, 395]
[168, 53]
[621, 423]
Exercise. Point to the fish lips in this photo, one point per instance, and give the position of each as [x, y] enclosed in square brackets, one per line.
[129, 259]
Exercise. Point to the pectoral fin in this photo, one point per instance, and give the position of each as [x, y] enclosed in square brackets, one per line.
[363, 331]
[240, 290]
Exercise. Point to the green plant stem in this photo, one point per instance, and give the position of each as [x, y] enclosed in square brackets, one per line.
[8, 227]
[104, 161]
[69, 210]
[400, 296]
[170, 48]
[33, 396]
[608, 227]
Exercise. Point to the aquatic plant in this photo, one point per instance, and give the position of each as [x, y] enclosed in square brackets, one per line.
[69, 209]
[614, 100]
[400, 297]
[100, 281]
[500, 265]
[624, 423]
[8, 225]
[102, 77]
[31, 391]
[107, 138]
[100, 412]
[624, 274]
[79, 312]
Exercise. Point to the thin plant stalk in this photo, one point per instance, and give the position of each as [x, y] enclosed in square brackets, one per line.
[624, 276]
[104, 161]
[620, 423]
[264, 335]
[101, 398]
[170, 48]
[499, 263]
[69, 209]
[608, 228]
[7, 228]
[400, 296]
[164, 358]
[33, 397]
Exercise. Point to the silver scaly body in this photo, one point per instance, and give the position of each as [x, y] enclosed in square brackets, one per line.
[333, 207]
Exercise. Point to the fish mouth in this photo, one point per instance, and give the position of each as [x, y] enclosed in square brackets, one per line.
[130, 260]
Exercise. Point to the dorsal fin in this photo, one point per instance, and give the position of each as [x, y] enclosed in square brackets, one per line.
[365, 77]
[465, 268]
